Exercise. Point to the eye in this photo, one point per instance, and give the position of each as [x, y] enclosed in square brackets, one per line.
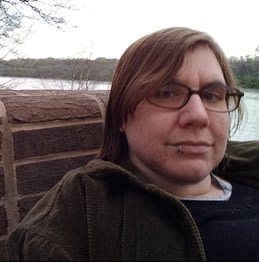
[169, 91]
[214, 94]
[165, 93]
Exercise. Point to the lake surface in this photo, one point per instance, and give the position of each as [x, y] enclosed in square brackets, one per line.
[19, 83]
[249, 130]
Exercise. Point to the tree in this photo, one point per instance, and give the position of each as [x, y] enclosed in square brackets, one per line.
[15, 13]
[257, 53]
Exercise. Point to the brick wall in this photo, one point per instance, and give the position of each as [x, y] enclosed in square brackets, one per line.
[43, 134]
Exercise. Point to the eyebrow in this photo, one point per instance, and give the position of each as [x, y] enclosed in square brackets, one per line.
[210, 84]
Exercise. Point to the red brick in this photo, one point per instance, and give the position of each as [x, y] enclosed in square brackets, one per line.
[55, 140]
[40, 177]
[4, 222]
[101, 94]
[1, 144]
[42, 108]
[2, 184]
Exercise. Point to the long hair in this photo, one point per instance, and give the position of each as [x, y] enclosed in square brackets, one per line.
[146, 65]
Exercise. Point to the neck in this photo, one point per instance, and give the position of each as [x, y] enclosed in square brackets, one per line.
[207, 188]
[180, 187]
[201, 189]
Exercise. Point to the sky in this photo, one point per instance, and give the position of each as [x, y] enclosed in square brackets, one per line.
[105, 28]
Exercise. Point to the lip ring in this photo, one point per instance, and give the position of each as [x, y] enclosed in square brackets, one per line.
[179, 149]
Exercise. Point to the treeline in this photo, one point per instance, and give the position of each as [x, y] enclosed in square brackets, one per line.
[246, 69]
[100, 69]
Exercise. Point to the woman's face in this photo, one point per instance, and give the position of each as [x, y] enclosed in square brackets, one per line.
[154, 133]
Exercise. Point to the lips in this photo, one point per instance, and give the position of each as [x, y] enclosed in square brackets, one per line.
[193, 147]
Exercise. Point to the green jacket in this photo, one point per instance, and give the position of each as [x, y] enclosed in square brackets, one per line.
[103, 212]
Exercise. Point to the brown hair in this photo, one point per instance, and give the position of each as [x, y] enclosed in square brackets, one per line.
[148, 64]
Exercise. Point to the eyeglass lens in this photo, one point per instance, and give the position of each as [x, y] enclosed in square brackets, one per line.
[215, 97]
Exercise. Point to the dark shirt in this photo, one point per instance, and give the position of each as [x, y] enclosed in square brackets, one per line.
[229, 229]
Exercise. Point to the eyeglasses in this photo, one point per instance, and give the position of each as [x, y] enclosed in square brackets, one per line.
[216, 97]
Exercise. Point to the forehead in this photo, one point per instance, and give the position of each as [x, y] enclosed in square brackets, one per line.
[200, 66]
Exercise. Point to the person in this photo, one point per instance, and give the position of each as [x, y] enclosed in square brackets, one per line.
[168, 184]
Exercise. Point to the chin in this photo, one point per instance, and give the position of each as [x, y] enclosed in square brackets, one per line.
[191, 172]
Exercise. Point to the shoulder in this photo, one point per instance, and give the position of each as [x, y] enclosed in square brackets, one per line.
[241, 162]
[58, 224]
[78, 189]
[77, 186]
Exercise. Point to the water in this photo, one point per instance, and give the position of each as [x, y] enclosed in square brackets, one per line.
[19, 83]
[248, 131]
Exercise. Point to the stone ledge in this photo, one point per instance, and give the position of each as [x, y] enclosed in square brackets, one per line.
[43, 134]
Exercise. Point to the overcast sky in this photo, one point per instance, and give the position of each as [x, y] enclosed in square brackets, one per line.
[105, 28]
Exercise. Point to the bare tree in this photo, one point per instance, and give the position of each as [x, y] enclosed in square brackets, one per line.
[14, 13]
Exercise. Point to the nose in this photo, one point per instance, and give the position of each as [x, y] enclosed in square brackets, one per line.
[194, 113]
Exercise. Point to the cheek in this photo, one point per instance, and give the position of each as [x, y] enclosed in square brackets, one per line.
[221, 135]
[139, 132]
[146, 142]
[147, 131]
[221, 126]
